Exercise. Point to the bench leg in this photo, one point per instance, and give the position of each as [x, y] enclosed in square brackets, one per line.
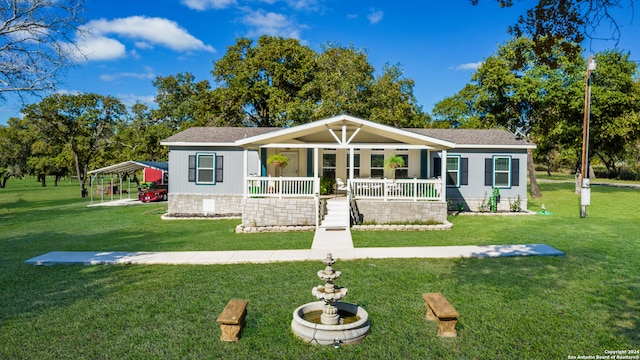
[430, 316]
[447, 327]
[230, 332]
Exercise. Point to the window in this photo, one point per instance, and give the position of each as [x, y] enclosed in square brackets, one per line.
[501, 172]
[206, 168]
[329, 166]
[205, 172]
[356, 164]
[403, 172]
[377, 165]
[453, 171]
[457, 170]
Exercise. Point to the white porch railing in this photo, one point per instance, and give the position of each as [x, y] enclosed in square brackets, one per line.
[378, 189]
[258, 186]
[402, 189]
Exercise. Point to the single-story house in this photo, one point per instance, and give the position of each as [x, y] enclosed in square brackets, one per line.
[217, 171]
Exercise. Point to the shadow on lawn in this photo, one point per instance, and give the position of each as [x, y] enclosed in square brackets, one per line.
[549, 300]
[42, 204]
[32, 291]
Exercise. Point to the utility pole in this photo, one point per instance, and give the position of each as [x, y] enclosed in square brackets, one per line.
[585, 182]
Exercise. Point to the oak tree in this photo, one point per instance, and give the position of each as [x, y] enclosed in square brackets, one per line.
[84, 123]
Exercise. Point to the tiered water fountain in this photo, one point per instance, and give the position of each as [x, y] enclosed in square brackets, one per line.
[330, 321]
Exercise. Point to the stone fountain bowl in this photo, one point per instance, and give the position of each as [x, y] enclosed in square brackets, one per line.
[322, 334]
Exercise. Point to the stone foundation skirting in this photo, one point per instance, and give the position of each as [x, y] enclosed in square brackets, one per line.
[264, 212]
[205, 205]
[407, 212]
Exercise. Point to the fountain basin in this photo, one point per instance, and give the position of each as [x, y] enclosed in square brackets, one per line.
[323, 334]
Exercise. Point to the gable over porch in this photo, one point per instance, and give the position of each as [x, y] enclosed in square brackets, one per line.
[345, 147]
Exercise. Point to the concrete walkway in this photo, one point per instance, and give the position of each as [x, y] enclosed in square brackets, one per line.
[334, 232]
[269, 256]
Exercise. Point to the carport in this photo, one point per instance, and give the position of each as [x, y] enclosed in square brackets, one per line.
[109, 181]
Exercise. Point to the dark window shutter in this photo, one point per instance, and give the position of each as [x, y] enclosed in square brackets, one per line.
[464, 173]
[192, 168]
[515, 172]
[437, 167]
[488, 172]
[219, 167]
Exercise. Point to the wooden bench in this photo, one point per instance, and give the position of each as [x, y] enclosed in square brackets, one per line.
[438, 308]
[232, 319]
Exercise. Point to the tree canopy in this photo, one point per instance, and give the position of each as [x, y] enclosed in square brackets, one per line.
[516, 90]
[279, 82]
[36, 43]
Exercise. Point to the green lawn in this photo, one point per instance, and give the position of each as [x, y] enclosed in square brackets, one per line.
[511, 308]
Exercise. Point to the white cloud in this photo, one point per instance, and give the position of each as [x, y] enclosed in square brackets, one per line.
[148, 74]
[208, 4]
[270, 23]
[96, 41]
[143, 45]
[469, 66]
[68, 92]
[309, 5]
[97, 48]
[152, 30]
[375, 16]
[131, 99]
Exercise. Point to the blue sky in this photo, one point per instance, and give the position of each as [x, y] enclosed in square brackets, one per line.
[437, 43]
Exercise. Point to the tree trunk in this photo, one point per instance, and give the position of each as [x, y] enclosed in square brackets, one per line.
[81, 178]
[533, 183]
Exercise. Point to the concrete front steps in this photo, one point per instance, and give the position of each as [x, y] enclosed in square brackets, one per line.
[334, 232]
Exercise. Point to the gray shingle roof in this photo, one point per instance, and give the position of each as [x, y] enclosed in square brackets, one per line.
[469, 137]
[473, 136]
[216, 134]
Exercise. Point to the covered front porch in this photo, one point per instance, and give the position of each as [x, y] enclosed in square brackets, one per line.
[352, 149]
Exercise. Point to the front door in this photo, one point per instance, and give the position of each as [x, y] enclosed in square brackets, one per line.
[291, 170]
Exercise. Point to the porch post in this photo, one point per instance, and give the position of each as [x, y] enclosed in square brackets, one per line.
[443, 171]
[316, 174]
[316, 186]
[245, 162]
[351, 164]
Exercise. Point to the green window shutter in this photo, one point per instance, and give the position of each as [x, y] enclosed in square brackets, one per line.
[437, 167]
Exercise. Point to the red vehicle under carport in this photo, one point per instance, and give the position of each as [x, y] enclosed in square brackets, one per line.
[154, 193]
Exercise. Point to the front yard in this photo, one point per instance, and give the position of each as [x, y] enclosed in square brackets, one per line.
[528, 308]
